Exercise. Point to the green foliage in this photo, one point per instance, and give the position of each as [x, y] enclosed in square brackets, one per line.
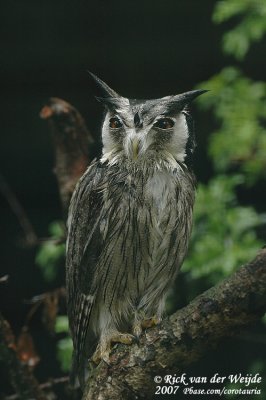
[239, 107]
[64, 346]
[49, 258]
[224, 234]
[64, 353]
[251, 28]
[51, 252]
[61, 324]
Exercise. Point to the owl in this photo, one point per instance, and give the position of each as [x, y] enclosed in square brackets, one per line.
[129, 222]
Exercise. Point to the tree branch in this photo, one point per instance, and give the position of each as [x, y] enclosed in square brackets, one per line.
[18, 210]
[71, 143]
[20, 376]
[184, 337]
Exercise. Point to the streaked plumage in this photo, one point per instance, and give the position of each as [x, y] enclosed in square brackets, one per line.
[130, 220]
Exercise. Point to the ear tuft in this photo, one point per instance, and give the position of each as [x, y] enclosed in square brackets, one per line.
[180, 101]
[185, 98]
[111, 103]
[102, 88]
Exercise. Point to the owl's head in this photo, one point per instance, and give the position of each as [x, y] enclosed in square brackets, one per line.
[139, 129]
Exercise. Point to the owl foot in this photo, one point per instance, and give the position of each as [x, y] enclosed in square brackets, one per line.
[104, 348]
[145, 323]
[148, 323]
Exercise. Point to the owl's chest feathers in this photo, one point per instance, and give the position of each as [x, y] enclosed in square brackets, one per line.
[160, 193]
[153, 196]
[145, 227]
[150, 206]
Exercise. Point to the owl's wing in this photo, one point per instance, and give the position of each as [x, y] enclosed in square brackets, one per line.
[84, 247]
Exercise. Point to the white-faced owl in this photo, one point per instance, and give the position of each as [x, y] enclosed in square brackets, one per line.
[129, 221]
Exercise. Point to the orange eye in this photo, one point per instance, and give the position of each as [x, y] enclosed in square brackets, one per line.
[115, 123]
[164, 123]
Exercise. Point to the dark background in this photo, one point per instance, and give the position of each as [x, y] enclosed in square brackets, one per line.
[143, 49]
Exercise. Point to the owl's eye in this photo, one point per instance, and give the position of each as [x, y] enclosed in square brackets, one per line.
[115, 123]
[164, 123]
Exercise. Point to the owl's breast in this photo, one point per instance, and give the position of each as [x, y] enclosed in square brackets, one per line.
[160, 192]
[162, 203]
[145, 225]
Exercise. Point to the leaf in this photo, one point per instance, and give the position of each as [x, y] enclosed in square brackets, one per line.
[223, 235]
[57, 230]
[61, 324]
[251, 28]
[64, 353]
[51, 253]
[238, 105]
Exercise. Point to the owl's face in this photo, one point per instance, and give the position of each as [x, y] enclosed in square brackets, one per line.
[138, 129]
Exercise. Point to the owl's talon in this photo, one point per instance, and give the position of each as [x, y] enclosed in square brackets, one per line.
[125, 338]
[148, 323]
[102, 354]
[103, 349]
[137, 329]
[144, 323]
[97, 356]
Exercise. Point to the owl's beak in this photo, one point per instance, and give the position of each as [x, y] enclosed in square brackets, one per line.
[135, 148]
